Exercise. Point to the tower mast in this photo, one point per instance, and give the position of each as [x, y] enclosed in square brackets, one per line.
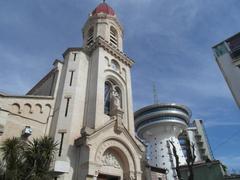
[155, 94]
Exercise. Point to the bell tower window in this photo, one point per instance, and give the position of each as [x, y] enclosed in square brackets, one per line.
[90, 36]
[115, 66]
[113, 36]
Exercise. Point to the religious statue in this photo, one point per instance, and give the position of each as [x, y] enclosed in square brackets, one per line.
[115, 109]
[115, 101]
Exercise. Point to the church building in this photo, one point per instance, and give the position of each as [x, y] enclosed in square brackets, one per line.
[85, 104]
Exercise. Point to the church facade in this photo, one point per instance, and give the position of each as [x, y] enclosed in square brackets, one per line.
[85, 104]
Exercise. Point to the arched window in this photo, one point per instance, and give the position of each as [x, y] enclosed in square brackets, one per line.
[107, 63]
[111, 89]
[107, 93]
[90, 36]
[113, 36]
[16, 108]
[115, 65]
[27, 108]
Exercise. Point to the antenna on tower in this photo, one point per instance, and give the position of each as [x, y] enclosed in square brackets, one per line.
[155, 94]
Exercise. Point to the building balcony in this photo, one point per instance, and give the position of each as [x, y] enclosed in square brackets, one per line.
[198, 136]
[200, 143]
[202, 150]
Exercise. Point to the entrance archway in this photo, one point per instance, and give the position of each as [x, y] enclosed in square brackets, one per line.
[115, 161]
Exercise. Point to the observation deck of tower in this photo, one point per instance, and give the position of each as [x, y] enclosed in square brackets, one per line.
[157, 125]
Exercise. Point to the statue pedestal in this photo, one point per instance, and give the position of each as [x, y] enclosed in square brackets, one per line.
[119, 120]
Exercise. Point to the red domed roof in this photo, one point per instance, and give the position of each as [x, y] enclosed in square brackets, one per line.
[103, 8]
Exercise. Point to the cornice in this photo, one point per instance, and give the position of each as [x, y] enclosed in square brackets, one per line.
[100, 42]
[27, 96]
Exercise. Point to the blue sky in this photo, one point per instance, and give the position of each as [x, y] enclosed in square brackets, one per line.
[170, 41]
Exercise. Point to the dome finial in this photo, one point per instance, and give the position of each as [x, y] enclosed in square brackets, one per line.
[104, 1]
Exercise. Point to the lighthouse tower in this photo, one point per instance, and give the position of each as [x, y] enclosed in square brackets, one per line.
[159, 125]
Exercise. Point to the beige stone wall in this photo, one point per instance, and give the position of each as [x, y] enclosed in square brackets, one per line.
[20, 111]
[100, 70]
[70, 105]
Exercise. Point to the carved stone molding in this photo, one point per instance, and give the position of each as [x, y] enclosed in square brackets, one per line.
[121, 149]
[110, 159]
[100, 42]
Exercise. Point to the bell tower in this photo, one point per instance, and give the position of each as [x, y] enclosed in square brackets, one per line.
[109, 78]
[103, 22]
[93, 111]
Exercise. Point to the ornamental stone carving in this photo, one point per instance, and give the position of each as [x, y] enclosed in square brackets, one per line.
[109, 159]
[114, 144]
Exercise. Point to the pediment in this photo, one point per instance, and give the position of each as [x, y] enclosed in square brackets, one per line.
[112, 132]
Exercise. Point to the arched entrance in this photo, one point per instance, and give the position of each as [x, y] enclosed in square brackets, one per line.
[115, 162]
